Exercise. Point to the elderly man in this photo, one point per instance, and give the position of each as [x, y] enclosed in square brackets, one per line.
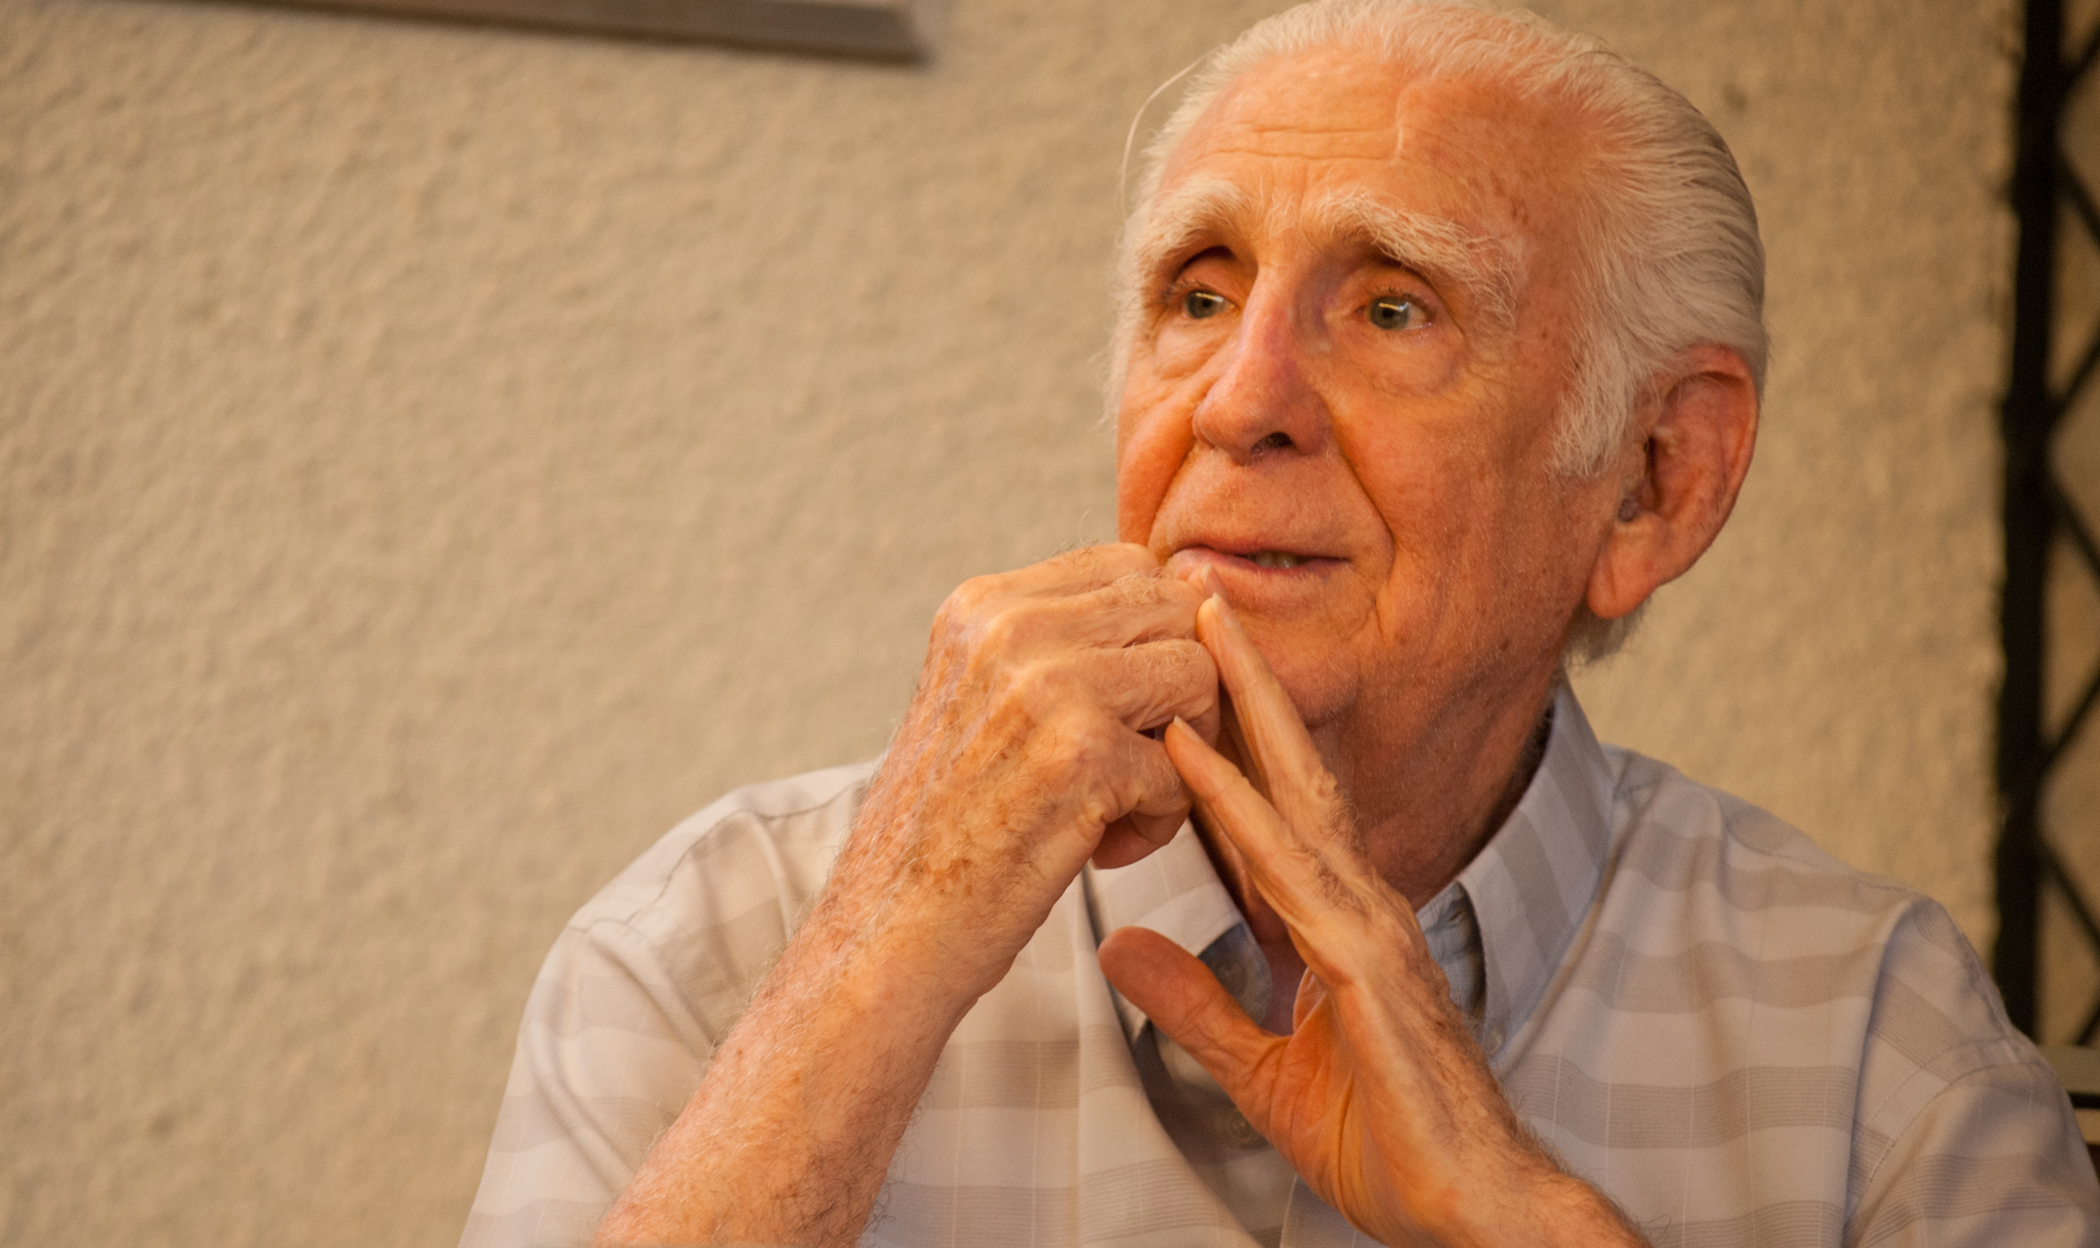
[1439, 352]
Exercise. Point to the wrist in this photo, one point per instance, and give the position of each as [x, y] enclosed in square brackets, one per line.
[885, 965]
[1535, 1204]
[933, 937]
[1564, 1210]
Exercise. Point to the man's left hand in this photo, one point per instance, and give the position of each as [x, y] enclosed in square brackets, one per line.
[1379, 1097]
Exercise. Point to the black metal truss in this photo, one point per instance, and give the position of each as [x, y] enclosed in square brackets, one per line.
[2048, 190]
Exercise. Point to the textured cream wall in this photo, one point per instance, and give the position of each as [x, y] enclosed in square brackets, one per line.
[1843, 628]
[433, 460]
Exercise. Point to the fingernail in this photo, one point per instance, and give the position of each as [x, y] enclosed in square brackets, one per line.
[1213, 583]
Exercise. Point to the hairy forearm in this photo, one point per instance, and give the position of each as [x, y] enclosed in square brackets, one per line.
[1554, 1210]
[1020, 753]
[788, 1137]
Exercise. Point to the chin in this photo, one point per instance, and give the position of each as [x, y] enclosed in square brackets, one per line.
[1323, 692]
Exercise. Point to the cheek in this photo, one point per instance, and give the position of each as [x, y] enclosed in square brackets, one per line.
[1420, 491]
[1151, 443]
[1458, 546]
[1154, 429]
[1527, 569]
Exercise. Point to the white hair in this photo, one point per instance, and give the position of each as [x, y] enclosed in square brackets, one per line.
[1669, 255]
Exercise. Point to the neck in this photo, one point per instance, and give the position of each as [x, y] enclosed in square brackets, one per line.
[1427, 802]
[1465, 785]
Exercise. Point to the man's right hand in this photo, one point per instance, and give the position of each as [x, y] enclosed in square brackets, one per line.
[1024, 753]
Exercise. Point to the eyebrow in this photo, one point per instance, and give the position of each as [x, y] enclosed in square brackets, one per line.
[1489, 270]
[1179, 216]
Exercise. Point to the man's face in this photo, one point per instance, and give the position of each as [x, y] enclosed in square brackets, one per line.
[1342, 388]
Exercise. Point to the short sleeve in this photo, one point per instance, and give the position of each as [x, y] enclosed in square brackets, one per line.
[605, 1061]
[638, 989]
[1995, 1158]
[1965, 1137]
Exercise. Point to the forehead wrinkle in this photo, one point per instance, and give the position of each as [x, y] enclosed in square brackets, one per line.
[1299, 127]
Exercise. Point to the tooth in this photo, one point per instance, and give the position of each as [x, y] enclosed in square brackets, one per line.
[1275, 559]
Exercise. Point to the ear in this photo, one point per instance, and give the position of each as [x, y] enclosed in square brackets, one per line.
[1681, 482]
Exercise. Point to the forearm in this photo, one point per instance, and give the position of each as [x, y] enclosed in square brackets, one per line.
[788, 1137]
[1020, 752]
[1546, 1208]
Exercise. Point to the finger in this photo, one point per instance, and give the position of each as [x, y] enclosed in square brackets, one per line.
[990, 619]
[1134, 836]
[1146, 686]
[1187, 1003]
[1296, 874]
[1130, 610]
[982, 600]
[1151, 801]
[1077, 571]
[1273, 737]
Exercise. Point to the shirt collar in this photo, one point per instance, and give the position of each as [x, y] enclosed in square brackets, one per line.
[1532, 884]
[1174, 891]
[1529, 888]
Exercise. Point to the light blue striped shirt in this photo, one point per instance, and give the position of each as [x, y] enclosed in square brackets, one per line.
[1733, 1035]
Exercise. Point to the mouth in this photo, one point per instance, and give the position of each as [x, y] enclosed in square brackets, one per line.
[1256, 561]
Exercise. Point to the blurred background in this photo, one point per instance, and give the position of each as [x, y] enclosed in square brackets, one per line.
[434, 459]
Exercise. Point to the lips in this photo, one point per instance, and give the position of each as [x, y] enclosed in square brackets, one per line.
[1247, 559]
[1289, 547]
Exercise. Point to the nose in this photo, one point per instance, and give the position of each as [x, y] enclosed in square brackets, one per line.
[1264, 401]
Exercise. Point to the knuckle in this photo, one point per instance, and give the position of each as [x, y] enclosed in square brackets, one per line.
[1003, 631]
[1094, 745]
[1131, 589]
[1054, 692]
[1034, 685]
[1128, 555]
[972, 595]
[964, 605]
[1102, 758]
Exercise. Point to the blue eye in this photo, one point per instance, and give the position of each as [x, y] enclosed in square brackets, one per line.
[1201, 304]
[1396, 312]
